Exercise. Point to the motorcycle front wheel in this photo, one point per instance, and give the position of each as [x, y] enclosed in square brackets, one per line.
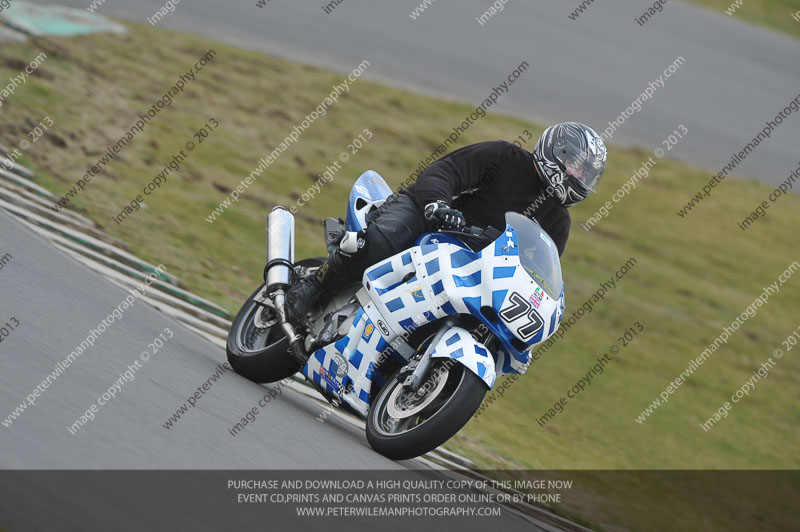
[403, 424]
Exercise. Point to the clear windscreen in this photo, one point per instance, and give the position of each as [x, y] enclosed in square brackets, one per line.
[537, 253]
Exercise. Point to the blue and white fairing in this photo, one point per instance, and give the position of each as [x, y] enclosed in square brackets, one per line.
[368, 192]
[513, 286]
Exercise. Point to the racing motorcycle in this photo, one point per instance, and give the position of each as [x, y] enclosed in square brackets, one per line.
[414, 347]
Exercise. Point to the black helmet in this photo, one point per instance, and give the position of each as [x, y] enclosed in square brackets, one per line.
[570, 158]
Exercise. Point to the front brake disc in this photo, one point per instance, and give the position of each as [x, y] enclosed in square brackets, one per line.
[402, 404]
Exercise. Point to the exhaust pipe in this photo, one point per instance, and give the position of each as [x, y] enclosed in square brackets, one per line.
[280, 249]
[278, 273]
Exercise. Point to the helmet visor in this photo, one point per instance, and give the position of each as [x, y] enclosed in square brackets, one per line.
[582, 158]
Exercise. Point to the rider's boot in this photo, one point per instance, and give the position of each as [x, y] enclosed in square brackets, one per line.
[317, 289]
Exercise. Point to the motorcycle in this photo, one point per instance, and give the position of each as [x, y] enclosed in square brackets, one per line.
[414, 347]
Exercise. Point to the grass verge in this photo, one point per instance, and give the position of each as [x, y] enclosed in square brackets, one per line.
[781, 15]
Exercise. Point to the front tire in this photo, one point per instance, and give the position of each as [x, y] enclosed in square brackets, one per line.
[403, 425]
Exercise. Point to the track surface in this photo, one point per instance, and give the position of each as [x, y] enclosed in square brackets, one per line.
[736, 76]
[57, 301]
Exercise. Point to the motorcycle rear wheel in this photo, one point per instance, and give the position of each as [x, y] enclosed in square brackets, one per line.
[257, 347]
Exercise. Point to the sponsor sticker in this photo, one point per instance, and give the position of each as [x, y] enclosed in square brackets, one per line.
[417, 294]
[368, 331]
[329, 379]
[536, 297]
[341, 365]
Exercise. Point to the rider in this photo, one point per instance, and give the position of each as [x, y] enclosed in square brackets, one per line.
[474, 185]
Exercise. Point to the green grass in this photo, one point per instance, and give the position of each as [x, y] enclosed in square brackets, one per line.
[693, 276]
[776, 14]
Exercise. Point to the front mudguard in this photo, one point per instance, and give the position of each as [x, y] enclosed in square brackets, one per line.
[459, 345]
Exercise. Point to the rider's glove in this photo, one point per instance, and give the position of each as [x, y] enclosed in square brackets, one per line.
[353, 245]
[442, 217]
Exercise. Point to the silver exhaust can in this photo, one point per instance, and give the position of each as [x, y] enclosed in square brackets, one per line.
[280, 248]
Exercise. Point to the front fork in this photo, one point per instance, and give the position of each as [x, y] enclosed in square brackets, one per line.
[417, 369]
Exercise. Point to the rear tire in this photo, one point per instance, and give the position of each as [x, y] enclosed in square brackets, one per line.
[450, 406]
[261, 354]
